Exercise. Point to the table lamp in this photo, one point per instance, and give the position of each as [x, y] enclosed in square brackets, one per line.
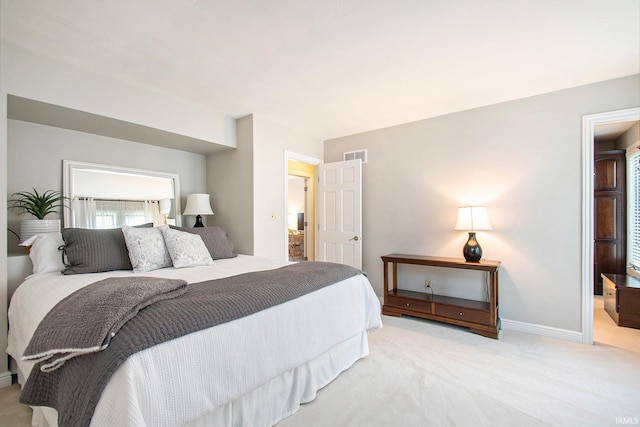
[472, 219]
[198, 205]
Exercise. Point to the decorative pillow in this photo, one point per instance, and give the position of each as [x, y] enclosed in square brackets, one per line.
[45, 252]
[147, 250]
[185, 249]
[214, 238]
[93, 251]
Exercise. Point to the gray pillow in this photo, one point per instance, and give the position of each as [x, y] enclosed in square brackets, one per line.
[214, 238]
[94, 251]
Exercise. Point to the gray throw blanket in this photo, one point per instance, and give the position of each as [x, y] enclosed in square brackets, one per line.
[75, 389]
[86, 321]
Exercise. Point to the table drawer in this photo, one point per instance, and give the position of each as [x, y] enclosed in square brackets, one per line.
[409, 303]
[462, 313]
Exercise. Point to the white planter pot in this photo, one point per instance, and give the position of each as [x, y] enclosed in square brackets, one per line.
[31, 227]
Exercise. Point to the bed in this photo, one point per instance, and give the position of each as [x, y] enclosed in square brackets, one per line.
[254, 370]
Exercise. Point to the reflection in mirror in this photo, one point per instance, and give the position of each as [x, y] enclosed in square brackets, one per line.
[103, 196]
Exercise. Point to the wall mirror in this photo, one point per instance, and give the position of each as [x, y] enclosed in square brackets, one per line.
[104, 196]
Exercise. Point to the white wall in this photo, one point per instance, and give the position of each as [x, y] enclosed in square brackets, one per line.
[230, 184]
[521, 159]
[247, 184]
[270, 143]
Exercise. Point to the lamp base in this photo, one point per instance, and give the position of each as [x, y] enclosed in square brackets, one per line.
[198, 221]
[472, 251]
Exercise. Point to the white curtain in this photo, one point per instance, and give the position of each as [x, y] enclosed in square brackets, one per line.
[152, 213]
[83, 212]
[91, 213]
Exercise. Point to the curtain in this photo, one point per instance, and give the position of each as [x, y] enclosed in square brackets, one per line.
[83, 212]
[152, 213]
[102, 214]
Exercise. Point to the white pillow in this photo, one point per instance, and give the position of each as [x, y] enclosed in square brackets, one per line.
[44, 253]
[186, 249]
[146, 247]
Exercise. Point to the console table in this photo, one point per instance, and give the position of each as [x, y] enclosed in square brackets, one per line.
[480, 317]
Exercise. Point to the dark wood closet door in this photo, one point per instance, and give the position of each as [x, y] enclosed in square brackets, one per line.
[610, 227]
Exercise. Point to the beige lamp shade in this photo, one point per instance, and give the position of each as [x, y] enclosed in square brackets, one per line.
[198, 204]
[473, 218]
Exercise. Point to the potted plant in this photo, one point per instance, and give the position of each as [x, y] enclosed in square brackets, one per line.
[38, 205]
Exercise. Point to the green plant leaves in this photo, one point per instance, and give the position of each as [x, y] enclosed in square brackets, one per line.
[38, 205]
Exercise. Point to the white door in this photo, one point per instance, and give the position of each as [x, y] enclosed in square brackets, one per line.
[340, 213]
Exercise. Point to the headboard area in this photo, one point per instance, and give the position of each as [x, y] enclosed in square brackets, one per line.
[91, 180]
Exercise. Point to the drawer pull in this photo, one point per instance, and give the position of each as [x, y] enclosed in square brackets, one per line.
[460, 313]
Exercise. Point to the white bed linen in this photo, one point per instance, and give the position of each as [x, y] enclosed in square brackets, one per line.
[201, 373]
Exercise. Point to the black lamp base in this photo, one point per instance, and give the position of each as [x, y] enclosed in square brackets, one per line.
[198, 221]
[472, 251]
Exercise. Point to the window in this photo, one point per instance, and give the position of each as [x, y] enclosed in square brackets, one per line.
[90, 213]
[113, 214]
[633, 206]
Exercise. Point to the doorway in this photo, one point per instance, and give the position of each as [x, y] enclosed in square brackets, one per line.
[590, 124]
[297, 215]
[300, 172]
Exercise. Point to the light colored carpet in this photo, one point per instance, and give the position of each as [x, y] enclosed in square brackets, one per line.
[422, 373]
[605, 330]
[426, 374]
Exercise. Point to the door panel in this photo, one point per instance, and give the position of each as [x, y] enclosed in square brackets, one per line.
[349, 205]
[605, 174]
[610, 251]
[340, 213]
[607, 255]
[605, 218]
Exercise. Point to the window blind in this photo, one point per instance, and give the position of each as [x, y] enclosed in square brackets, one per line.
[633, 199]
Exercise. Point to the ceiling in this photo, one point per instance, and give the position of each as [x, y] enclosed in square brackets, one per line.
[333, 68]
[611, 131]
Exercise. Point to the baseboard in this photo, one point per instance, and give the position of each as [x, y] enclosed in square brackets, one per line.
[546, 331]
[5, 379]
[531, 328]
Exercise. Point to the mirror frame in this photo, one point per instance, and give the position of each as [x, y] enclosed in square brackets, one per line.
[69, 166]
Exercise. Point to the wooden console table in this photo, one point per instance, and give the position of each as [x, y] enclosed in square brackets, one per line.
[479, 316]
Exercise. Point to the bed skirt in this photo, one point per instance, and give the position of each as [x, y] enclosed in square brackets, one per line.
[277, 399]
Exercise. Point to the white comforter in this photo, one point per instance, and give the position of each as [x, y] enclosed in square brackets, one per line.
[178, 381]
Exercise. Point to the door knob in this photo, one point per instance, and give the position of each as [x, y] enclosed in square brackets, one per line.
[354, 238]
